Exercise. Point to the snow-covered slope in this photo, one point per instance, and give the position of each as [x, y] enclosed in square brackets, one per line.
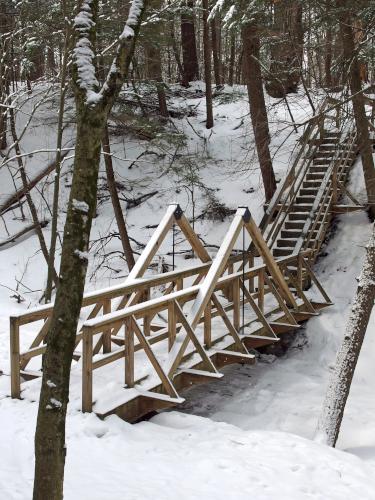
[247, 436]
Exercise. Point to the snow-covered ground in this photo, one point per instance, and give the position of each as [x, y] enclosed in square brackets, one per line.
[248, 435]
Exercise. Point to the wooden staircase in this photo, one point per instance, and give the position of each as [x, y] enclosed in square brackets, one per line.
[299, 214]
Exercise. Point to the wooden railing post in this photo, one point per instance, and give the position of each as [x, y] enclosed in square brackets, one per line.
[15, 358]
[107, 333]
[171, 325]
[334, 184]
[261, 290]
[251, 264]
[87, 353]
[129, 353]
[207, 326]
[230, 271]
[179, 284]
[147, 318]
[236, 303]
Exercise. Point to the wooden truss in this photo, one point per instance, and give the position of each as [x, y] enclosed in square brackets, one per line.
[203, 330]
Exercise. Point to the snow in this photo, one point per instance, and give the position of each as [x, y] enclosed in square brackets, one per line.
[248, 435]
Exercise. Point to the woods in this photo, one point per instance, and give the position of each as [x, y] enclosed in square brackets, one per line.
[171, 172]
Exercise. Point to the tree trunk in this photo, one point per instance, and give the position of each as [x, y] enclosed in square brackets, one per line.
[232, 59]
[328, 58]
[286, 50]
[216, 52]
[207, 65]
[93, 105]
[258, 111]
[111, 182]
[188, 43]
[347, 357]
[351, 62]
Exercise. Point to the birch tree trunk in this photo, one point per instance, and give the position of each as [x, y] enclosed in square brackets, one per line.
[93, 105]
[347, 357]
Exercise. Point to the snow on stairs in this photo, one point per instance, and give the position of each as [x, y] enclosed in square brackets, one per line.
[302, 213]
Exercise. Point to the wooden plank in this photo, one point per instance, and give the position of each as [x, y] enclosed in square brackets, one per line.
[190, 333]
[231, 330]
[280, 300]
[262, 319]
[207, 326]
[167, 384]
[153, 244]
[38, 339]
[216, 270]
[269, 261]
[129, 353]
[15, 358]
[236, 303]
[261, 290]
[316, 281]
[171, 325]
[107, 333]
[192, 238]
[87, 353]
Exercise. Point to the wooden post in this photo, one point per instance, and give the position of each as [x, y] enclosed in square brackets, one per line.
[107, 333]
[179, 284]
[87, 351]
[15, 358]
[251, 264]
[230, 271]
[129, 353]
[236, 303]
[147, 318]
[261, 290]
[171, 325]
[207, 326]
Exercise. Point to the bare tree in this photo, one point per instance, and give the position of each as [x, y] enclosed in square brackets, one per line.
[258, 111]
[93, 104]
[347, 357]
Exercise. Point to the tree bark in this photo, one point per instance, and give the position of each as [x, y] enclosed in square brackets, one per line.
[111, 182]
[258, 111]
[346, 20]
[341, 379]
[216, 52]
[50, 446]
[232, 59]
[286, 50]
[188, 43]
[207, 65]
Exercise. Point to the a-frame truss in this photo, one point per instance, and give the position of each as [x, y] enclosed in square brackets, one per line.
[226, 309]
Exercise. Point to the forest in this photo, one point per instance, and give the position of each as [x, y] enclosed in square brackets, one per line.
[187, 249]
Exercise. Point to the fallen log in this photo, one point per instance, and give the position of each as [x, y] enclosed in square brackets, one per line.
[20, 193]
[23, 231]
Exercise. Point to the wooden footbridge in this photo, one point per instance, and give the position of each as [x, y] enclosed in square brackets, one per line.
[141, 343]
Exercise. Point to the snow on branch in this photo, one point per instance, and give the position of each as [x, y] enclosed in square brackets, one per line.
[84, 55]
[133, 19]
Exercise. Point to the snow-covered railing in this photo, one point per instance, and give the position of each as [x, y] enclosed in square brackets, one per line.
[208, 316]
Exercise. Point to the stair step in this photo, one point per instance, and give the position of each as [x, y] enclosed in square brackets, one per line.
[308, 192]
[318, 168]
[311, 184]
[290, 233]
[282, 252]
[286, 243]
[305, 199]
[321, 161]
[314, 177]
[298, 216]
[302, 207]
[293, 224]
